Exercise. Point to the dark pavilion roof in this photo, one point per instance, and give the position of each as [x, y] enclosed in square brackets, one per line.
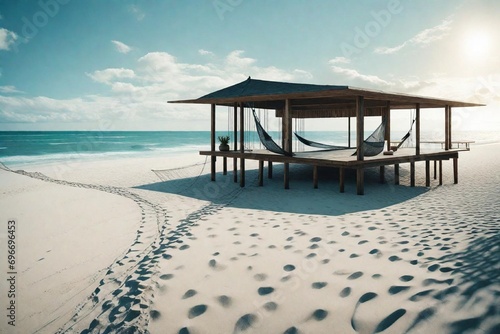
[308, 97]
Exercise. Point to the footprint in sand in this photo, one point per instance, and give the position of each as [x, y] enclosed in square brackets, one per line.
[260, 277]
[224, 300]
[188, 294]
[155, 315]
[262, 291]
[395, 289]
[319, 285]
[420, 295]
[394, 258]
[285, 278]
[389, 320]
[291, 330]
[214, 265]
[406, 278]
[345, 292]
[166, 276]
[196, 311]
[245, 322]
[355, 275]
[289, 267]
[319, 314]
[270, 306]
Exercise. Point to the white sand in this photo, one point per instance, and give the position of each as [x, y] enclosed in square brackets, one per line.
[108, 246]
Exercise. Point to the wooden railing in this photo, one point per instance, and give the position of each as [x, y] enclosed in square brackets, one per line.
[454, 144]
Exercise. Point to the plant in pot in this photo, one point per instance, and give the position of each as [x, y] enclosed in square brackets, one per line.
[224, 140]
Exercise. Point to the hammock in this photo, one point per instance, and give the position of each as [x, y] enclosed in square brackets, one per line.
[266, 139]
[372, 146]
[406, 136]
[319, 145]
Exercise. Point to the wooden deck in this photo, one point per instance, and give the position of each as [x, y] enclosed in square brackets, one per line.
[339, 159]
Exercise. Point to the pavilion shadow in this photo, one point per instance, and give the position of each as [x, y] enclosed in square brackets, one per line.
[301, 198]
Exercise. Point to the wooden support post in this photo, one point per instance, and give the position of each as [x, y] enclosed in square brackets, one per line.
[440, 172]
[435, 169]
[224, 165]
[446, 129]
[261, 173]
[417, 129]
[242, 128]
[455, 170]
[396, 174]
[315, 177]
[349, 131]
[269, 169]
[412, 173]
[342, 179]
[286, 175]
[427, 173]
[388, 125]
[212, 142]
[242, 172]
[287, 127]
[360, 181]
[242, 144]
[360, 127]
[382, 174]
[450, 145]
[235, 142]
[235, 127]
[235, 170]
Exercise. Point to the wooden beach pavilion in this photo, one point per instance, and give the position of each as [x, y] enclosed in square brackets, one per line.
[296, 100]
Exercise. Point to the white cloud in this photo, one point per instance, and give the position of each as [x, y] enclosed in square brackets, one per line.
[110, 74]
[205, 52]
[235, 59]
[9, 90]
[423, 38]
[137, 12]
[121, 47]
[7, 38]
[339, 60]
[140, 95]
[354, 75]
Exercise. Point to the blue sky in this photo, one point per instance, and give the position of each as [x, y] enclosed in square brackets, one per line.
[113, 65]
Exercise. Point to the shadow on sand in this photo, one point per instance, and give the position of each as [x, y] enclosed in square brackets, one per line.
[301, 198]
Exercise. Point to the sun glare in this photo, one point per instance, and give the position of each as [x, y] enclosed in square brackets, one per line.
[477, 45]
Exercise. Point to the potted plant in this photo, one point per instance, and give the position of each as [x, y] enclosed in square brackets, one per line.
[224, 140]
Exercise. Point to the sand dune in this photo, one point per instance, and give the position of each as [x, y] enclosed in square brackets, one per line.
[131, 252]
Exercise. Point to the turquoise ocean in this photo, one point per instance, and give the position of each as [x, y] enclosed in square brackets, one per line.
[39, 147]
